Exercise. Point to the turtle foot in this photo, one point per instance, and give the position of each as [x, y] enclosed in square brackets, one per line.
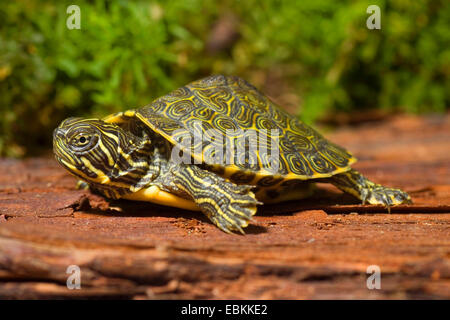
[356, 184]
[232, 212]
[388, 197]
[82, 185]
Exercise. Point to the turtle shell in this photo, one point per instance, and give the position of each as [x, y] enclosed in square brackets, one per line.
[244, 117]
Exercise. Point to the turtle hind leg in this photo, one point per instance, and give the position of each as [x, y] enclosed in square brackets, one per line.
[356, 184]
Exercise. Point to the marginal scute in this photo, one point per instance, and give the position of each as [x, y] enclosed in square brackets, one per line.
[242, 177]
[269, 181]
[233, 107]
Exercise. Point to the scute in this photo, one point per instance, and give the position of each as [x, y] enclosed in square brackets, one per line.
[222, 103]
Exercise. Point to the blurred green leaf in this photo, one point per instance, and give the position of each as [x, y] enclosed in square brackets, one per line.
[315, 57]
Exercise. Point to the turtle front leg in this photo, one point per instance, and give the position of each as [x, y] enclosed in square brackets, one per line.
[82, 185]
[228, 205]
[356, 184]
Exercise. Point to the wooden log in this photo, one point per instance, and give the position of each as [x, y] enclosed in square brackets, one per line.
[318, 248]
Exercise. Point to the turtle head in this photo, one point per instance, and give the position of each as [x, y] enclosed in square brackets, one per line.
[96, 151]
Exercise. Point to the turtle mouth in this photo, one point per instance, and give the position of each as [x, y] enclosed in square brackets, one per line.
[59, 136]
[59, 133]
[63, 158]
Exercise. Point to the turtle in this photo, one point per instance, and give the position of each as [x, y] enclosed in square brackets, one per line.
[217, 145]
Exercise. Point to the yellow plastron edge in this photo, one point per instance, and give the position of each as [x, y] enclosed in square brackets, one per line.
[158, 196]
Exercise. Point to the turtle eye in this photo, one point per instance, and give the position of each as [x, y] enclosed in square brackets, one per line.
[81, 141]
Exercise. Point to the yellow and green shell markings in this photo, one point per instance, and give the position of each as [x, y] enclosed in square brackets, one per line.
[216, 145]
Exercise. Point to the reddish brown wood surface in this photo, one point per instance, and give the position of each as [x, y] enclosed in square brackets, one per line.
[314, 249]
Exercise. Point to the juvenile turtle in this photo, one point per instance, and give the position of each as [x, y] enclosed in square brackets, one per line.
[213, 126]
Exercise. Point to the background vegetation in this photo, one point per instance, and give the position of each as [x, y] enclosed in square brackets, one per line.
[316, 58]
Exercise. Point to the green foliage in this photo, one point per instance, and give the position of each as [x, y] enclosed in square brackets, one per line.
[128, 53]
